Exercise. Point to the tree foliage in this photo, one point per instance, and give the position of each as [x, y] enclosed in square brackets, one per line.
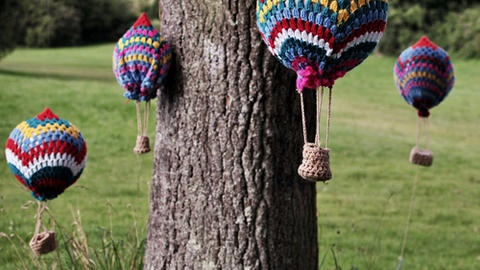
[450, 24]
[9, 12]
[53, 24]
[50, 23]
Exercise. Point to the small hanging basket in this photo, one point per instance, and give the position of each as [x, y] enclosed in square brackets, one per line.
[315, 164]
[142, 146]
[43, 243]
[421, 157]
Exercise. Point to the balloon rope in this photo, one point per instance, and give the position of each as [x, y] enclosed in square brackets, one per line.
[410, 210]
[41, 208]
[303, 118]
[419, 131]
[427, 134]
[139, 118]
[320, 92]
[329, 116]
[147, 114]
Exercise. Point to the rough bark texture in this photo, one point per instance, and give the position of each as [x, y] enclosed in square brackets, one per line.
[225, 192]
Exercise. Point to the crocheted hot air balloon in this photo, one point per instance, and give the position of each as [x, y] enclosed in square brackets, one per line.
[141, 60]
[424, 76]
[47, 155]
[321, 40]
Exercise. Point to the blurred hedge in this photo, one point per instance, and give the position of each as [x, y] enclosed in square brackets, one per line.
[453, 25]
[50, 23]
[9, 9]
[53, 24]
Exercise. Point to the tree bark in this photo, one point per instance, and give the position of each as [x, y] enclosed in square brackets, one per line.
[225, 191]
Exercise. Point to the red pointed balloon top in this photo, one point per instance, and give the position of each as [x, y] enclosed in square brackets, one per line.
[142, 21]
[425, 42]
[47, 114]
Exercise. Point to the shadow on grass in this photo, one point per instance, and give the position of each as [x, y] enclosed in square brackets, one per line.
[57, 76]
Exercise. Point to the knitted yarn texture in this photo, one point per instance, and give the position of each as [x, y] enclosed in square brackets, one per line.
[321, 40]
[141, 60]
[46, 154]
[424, 75]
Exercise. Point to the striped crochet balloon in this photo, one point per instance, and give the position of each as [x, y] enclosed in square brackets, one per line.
[141, 60]
[321, 39]
[46, 154]
[424, 75]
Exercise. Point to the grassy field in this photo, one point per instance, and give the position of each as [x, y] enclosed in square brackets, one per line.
[362, 212]
[78, 85]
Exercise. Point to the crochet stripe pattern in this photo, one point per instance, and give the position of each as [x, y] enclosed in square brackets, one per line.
[424, 75]
[46, 154]
[321, 40]
[141, 60]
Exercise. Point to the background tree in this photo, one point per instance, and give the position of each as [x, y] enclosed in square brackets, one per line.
[450, 24]
[225, 192]
[9, 12]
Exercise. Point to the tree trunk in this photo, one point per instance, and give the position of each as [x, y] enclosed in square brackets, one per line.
[225, 191]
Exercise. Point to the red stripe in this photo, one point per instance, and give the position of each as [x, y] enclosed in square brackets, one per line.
[55, 186]
[325, 34]
[420, 58]
[20, 179]
[46, 149]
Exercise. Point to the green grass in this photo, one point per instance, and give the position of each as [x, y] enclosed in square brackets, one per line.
[361, 212]
[77, 84]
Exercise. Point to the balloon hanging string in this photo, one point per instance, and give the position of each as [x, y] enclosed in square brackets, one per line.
[139, 118]
[329, 116]
[424, 121]
[147, 114]
[410, 210]
[419, 131]
[320, 92]
[427, 133]
[41, 207]
[319, 114]
[143, 131]
[302, 105]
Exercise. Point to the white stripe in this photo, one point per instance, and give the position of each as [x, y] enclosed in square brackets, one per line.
[367, 37]
[321, 43]
[52, 160]
[285, 34]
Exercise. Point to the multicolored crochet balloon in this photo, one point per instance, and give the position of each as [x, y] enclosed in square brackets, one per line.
[141, 60]
[46, 154]
[321, 39]
[424, 75]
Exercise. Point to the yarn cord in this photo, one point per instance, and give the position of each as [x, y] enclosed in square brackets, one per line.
[407, 226]
[146, 116]
[320, 92]
[304, 125]
[41, 207]
[423, 121]
[139, 118]
[427, 133]
[329, 116]
[419, 131]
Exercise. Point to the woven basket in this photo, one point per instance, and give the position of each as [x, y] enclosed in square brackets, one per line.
[421, 157]
[142, 146]
[43, 243]
[315, 164]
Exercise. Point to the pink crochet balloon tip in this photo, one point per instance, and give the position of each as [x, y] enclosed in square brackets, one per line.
[307, 77]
